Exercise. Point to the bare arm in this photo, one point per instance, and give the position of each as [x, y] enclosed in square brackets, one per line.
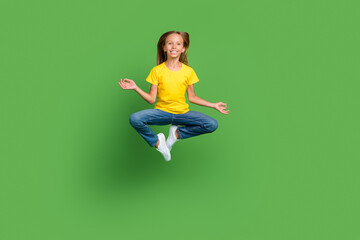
[130, 84]
[220, 106]
[149, 97]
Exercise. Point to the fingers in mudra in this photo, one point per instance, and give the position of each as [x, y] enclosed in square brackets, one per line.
[125, 83]
[121, 83]
[221, 107]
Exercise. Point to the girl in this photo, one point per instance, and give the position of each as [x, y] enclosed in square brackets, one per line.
[169, 80]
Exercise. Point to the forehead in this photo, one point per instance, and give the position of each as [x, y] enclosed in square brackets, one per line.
[174, 37]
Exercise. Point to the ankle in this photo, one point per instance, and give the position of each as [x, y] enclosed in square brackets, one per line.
[157, 144]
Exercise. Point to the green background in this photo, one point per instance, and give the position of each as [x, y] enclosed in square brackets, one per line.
[284, 164]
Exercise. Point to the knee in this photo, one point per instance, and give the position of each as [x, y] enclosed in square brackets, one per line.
[212, 125]
[134, 119]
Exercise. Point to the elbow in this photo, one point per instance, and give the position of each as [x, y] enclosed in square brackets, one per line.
[192, 99]
[151, 100]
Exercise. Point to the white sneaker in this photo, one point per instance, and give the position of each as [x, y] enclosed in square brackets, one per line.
[162, 148]
[171, 140]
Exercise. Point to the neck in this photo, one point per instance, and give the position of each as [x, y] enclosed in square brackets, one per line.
[173, 62]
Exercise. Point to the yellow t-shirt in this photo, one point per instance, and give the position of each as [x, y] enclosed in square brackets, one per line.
[172, 86]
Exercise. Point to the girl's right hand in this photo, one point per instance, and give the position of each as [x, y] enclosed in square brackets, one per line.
[127, 84]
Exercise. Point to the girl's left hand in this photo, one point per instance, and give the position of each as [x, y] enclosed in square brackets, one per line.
[220, 106]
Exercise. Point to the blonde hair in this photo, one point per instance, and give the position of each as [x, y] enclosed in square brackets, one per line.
[161, 55]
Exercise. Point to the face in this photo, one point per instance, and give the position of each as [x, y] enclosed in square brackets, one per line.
[174, 45]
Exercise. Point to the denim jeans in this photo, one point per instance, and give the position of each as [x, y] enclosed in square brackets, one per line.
[194, 123]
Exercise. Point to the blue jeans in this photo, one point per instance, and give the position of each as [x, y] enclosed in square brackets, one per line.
[195, 123]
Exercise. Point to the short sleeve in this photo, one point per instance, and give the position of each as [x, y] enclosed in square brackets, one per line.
[153, 78]
[192, 78]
